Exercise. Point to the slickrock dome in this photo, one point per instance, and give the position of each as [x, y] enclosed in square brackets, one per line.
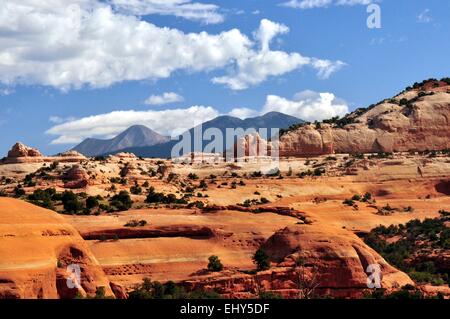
[21, 150]
[76, 177]
[340, 257]
[36, 247]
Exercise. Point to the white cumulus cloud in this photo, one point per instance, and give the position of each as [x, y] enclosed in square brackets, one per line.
[73, 43]
[165, 98]
[205, 13]
[171, 122]
[243, 112]
[308, 105]
[256, 67]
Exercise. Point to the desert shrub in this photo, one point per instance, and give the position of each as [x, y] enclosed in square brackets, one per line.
[121, 201]
[92, 202]
[367, 197]
[430, 233]
[100, 293]
[154, 197]
[358, 155]
[197, 204]
[444, 213]
[214, 264]
[136, 223]
[256, 174]
[73, 206]
[18, 191]
[136, 189]
[319, 171]
[246, 203]
[169, 290]
[203, 184]
[44, 198]
[261, 259]
[192, 176]
[408, 209]
[348, 202]
[403, 101]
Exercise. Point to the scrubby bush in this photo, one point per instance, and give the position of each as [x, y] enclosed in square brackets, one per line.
[92, 202]
[136, 223]
[136, 189]
[348, 202]
[156, 197]
[261, 259]
[121, 201]
[192, 176]
[169, 290]
[214, 264]
[19, 191]
[412, 244]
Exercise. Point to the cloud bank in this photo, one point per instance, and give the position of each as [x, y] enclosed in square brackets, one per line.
[306, 105]
[69, 44]
[186, 9]
[165, 98]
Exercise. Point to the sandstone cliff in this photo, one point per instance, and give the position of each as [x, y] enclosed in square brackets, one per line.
[418, 119]
[335, 264]
[36, 246]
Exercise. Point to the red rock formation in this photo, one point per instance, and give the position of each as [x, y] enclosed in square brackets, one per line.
[337, 258]
[76, 177]
[36, 247]
[408, 122]
[21, 150]
[21, 153]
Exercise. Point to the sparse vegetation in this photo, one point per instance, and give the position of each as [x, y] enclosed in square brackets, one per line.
[214, 264]
[136, 223]
[121, 201]
[261, 259]
[410, 251]
[155, 290]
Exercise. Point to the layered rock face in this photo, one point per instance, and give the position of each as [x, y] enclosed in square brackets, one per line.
[70, 156]
[36, 247]
[335, 264]
[76, 177]
[339, 258]
[21, 150]
[416, 120]
[21, 153]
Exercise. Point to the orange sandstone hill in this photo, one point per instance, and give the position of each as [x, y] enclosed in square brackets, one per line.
[36, 246]
[417, 119]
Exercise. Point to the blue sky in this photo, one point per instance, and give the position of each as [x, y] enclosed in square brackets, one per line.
[60, 67]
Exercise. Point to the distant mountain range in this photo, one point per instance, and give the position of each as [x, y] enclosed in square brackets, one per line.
[155, 145]
[134, 136]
